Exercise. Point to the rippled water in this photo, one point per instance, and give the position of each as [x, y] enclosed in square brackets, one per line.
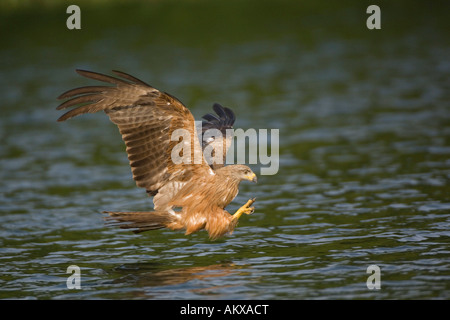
[364, 173]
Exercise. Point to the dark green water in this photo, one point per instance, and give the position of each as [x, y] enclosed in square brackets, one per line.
[364, 179]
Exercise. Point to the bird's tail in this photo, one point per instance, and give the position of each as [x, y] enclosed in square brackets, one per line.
[140, 221]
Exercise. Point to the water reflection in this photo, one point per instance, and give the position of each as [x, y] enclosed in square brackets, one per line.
[198, 280]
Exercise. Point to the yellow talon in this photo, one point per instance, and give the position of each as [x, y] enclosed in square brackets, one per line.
[245, 209]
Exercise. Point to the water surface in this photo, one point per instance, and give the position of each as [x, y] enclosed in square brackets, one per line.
[364, 175]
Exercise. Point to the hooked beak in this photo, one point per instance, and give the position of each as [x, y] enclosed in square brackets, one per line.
[252, 177]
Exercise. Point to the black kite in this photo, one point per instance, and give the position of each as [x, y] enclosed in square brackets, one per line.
[190, 195]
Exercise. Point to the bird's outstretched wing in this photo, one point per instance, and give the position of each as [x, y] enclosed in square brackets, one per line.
[212, 143]
[146, 118]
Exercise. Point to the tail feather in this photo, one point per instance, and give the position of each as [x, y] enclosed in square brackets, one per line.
[140, 221]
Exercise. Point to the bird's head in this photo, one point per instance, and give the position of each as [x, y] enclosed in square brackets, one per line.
[243, 172]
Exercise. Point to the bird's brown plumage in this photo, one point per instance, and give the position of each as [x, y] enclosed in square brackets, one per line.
[187, 195]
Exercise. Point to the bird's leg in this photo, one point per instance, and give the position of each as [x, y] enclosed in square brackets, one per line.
[246, 208]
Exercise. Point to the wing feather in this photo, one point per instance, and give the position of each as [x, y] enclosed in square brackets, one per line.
[146, 118]
[224, 120]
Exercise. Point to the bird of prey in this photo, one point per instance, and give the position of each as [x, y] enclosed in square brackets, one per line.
[190, 195]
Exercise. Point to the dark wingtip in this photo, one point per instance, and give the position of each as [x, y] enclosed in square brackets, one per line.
[225, 118]
[231, 117]
[209, 117]
[219, 110]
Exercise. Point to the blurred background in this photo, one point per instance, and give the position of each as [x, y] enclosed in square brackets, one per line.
[364, 120]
